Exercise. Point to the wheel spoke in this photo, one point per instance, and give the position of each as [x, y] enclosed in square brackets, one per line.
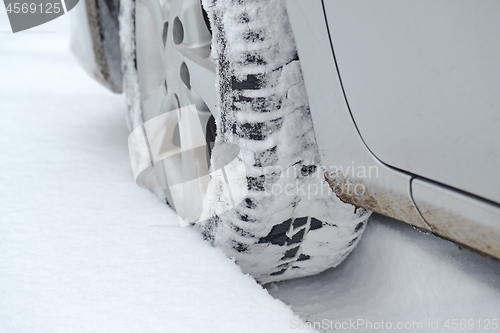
[202, 74]
[196, 33]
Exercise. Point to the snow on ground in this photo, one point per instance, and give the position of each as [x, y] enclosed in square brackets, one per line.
[82, 248]
[400, 275]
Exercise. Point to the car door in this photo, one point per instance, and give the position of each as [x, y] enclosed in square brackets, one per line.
[422, 80]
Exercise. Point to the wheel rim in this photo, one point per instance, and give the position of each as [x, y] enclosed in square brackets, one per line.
[174, 70]
[173, 49]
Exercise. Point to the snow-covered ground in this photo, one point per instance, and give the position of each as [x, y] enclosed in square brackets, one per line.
[82, 248]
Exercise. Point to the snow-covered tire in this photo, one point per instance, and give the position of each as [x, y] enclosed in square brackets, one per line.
[290, 223]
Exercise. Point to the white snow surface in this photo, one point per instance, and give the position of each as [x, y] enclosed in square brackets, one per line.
[82, 248]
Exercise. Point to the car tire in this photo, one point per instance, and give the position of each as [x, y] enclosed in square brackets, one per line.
[289, 224]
